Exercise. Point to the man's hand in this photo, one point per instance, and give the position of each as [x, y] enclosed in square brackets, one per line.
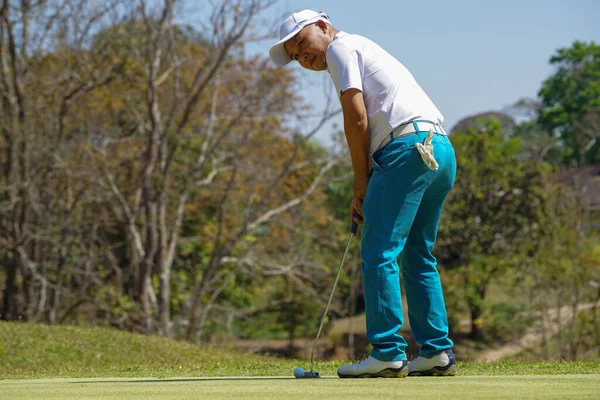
[360, 190]
[356, 208]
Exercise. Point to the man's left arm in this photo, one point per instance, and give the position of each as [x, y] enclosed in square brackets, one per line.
[356, 129]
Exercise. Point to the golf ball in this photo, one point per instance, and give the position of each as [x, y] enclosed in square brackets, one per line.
[299, 372]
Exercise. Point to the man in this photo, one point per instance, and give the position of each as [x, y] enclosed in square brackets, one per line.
[392, 128]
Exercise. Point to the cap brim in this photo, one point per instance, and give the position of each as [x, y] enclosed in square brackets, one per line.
[278, 53]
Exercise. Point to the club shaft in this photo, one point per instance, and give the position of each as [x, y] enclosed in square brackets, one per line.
[337, 277]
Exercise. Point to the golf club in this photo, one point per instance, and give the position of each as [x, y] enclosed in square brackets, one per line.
[300, 372]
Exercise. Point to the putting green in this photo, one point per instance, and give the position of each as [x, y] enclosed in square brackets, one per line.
[280, 388]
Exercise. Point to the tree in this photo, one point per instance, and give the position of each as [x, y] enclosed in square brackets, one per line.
[560, 280]
[149, 171]
[479, 120]
[571, 102]
[205, 116]
[40, 82]
[493, 215]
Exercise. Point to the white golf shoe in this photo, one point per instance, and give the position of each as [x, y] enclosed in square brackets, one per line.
[442, 364]
[370, 367]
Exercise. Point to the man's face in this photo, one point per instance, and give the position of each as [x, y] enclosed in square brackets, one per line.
[308, 47]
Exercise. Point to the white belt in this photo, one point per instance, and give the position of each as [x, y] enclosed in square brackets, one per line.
[408, 129]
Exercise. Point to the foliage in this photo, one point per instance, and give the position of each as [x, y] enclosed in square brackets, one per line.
[479, 121]
[571, 102]
[494, 213]
[167, 192]
[504, 322]
[562, 282]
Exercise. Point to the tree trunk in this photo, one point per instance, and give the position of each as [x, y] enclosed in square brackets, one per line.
[291, 337]
[195, 300]
[164, 299]
[166, 254]
[56, 291]
[10, 308]
[475, 333]
[54, 304]
[28, 292]
[144, 279]
[476, 310]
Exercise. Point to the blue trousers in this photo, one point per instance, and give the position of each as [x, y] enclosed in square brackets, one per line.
[402, 210]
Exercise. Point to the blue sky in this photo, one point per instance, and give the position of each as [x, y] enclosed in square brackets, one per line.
[469, 56]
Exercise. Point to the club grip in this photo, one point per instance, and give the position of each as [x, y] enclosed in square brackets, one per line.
[354, 226]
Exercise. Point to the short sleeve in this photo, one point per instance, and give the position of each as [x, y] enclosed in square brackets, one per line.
[343, 65]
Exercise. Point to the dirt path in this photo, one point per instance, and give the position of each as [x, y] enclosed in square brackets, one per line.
[556, 320]
[533, 336]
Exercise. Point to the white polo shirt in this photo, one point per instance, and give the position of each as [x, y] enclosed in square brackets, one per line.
[391, 94]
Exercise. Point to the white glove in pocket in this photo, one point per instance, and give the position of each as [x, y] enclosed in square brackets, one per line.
[426, 151]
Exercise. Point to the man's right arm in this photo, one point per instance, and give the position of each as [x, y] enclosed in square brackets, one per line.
[344, 66]
[356, 128]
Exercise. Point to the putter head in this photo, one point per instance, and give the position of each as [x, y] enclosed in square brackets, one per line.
[310, 374]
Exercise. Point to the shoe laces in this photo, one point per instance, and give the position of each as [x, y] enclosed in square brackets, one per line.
[363, 358]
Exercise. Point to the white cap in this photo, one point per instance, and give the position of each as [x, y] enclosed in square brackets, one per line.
[290, 28]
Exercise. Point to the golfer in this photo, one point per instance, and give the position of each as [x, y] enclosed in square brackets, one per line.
[404, 167]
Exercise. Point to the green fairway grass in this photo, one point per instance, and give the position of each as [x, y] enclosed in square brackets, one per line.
[465, 387]
[39, 351]
[110, 364]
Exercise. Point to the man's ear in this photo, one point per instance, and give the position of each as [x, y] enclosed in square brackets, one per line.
[322, 25]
